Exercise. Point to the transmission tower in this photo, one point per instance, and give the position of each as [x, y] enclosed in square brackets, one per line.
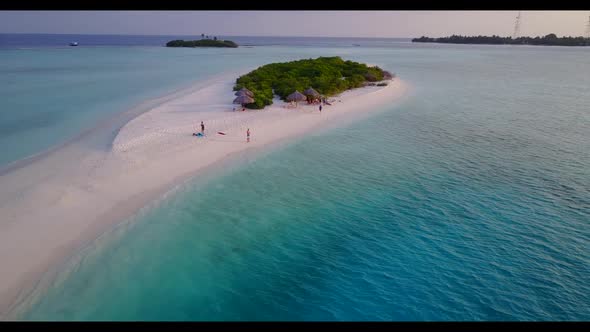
[516, 26]
[588, 28]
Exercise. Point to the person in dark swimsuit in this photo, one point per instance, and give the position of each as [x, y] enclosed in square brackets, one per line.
[202, 128]
[248, 135]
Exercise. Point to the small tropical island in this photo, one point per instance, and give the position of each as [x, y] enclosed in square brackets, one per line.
[548, 40]
[321, 77]
[201, 43]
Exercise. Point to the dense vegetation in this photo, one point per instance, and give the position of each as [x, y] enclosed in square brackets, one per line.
[550, 39]
[327, 75]
[201, 43]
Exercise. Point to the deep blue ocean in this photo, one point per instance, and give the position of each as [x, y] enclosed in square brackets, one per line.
[469, 200]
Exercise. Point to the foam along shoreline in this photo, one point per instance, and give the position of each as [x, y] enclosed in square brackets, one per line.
[53, 207]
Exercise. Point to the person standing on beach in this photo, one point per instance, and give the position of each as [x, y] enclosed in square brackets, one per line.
[248, 135]
[320, 108]
[202, 128]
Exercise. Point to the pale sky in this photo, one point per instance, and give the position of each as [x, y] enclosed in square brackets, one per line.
[296, 23]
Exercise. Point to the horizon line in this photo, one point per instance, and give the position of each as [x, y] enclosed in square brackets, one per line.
[222, 35]
[268, 36]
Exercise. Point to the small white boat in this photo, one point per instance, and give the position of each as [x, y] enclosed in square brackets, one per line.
[74, 44]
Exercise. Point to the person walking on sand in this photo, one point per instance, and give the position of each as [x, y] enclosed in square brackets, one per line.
[320, 108]
[248, 135]
[202, 128]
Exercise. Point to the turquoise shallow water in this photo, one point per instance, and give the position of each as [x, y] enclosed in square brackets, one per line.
[468, 201]
[51, 95]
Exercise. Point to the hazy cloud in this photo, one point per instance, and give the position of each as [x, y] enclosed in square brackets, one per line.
[295, 23]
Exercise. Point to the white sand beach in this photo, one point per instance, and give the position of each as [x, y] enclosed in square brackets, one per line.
[54, 206]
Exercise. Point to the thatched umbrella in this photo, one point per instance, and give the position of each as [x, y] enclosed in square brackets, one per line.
[387, 75]
[296, 96]
[311, 92]
[243, 100]
[245, 91]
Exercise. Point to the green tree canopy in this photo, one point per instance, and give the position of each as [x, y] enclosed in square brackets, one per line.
[550, 39]
[201, 43]
[327, 75]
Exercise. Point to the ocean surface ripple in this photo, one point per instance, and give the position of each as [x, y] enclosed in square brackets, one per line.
[469, 201]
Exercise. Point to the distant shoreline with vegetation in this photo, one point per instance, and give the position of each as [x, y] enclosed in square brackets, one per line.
[326, 75]
[201, 43]
[548, 40]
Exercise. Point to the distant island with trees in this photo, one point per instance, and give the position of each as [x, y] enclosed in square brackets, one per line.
[328, 76]
[549, 40]
[204, 42]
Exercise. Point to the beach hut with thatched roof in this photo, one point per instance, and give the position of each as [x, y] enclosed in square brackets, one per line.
[387, 75]
[243, 100]
[245, 91]
[311, 94]
[296, 97]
